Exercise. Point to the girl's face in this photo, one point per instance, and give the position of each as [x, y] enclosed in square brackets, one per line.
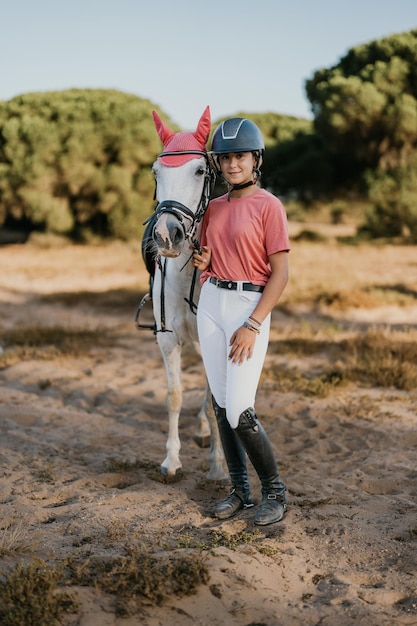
[237, 167]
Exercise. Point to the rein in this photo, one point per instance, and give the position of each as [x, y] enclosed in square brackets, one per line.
[181, 212]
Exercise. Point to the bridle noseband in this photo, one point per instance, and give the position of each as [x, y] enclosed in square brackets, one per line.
[180, 211]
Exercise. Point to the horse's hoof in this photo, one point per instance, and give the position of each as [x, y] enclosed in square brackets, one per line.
[202, 441]
[219, 476]
[171, 476]
[170, 473]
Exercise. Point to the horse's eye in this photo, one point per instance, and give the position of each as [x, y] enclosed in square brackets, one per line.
[200, 171]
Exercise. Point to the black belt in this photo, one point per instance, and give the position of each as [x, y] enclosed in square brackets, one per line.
[230, 284]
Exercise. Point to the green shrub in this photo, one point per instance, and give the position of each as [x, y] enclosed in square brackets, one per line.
[77, 162]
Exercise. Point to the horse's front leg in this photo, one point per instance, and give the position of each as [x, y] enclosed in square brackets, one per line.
[208, 431]
[203, 432]
[172, 361]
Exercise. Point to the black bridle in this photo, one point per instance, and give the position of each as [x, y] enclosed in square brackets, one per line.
[181, 212]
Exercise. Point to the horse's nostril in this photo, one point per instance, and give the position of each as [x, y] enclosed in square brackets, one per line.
[176, 235]
[158, 239]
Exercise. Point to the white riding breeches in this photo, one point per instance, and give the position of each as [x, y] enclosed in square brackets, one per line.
[220, 312]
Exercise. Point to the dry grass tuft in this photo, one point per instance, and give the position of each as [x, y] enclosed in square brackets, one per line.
[286, 380]
[14, 536]
[349, 299]
[383, 358]
[190, 537]
[142, 578]
[71, 341]
[310, 235]
[112, 299]
[366, 297]
[29, 596]
[330, 290]
[45, 342]
[233, 541]
[377, 357]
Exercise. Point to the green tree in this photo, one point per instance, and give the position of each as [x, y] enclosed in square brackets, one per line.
[77, 161]
[394, 197]
[366, 106]
[300, 167]
[365, 110]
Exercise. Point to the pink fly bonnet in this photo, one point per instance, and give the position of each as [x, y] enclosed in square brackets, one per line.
[181, 142]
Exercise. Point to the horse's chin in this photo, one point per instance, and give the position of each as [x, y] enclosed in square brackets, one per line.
[170, 254]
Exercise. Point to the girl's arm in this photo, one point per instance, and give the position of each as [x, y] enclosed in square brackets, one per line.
[274, 287]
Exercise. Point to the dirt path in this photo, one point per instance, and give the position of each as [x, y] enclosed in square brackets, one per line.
[83, 431]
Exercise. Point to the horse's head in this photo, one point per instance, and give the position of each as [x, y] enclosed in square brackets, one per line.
[183, 182]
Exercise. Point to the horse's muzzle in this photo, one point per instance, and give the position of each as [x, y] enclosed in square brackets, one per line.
[169, 236]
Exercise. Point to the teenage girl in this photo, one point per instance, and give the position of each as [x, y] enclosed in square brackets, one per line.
[244, 263]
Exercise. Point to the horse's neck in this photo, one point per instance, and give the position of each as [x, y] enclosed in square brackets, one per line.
[182, 266]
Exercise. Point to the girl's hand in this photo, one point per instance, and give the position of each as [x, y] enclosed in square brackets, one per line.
[242, 343]
[202, 261]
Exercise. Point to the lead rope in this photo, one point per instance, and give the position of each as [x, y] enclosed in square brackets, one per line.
[163, 319]
[205, 198]
[190, 300]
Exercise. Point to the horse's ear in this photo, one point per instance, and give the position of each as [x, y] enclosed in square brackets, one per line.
[203, 128]
[162, 129]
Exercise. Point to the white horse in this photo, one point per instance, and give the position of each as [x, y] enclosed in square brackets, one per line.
[183, 182]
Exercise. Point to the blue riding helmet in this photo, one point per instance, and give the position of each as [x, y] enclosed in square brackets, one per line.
[237, 135]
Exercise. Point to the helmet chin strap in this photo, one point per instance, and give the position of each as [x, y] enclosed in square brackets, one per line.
[249, 183]
[243, 185]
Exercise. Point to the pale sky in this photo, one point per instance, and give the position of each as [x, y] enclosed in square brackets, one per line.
[251, 56]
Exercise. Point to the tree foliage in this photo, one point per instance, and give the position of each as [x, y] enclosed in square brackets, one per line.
[77, 160]
[394, 197]
[366, 105]
[365, 111]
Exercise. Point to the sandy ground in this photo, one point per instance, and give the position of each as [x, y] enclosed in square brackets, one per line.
[345, 553]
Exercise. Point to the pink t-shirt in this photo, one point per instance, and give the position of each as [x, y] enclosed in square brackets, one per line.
[242, 234]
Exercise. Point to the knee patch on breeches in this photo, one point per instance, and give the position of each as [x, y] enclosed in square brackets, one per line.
[248, 419]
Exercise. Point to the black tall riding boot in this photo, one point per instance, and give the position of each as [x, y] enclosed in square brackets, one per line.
[240, 495]
[259, 450]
